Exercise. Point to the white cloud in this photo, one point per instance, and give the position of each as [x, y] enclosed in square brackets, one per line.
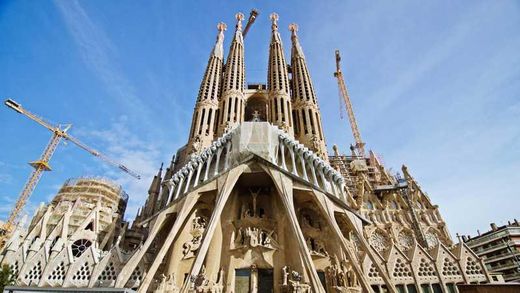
[140, 149]
[446, 104]
[136, 152]
[97, 51]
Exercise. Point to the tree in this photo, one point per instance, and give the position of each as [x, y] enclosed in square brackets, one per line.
[7, 277]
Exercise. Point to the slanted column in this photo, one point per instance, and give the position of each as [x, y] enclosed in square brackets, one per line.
[197, 176]
[228, 155]
[284, 187]
[172, 185]
[208, 164]
[293, 161]
[217, 163]
[224, 190]
[274, 157]
[313, 172]
[323, 180]
[333, 186]
[343, 193]
[181, 181]
[282, 150]
[304, 168]
[339, 189]
[190, 174]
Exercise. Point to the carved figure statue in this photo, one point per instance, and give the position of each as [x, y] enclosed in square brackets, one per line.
[340, 275]
[320, 248]
[190, 247]
[295, 276]
[341, 279]
[285, 275]
[199, 223]
[170, 283]
[167, 284]
[254, 237]
[196, 144]
[284, 126]
[227, 127]
[315, 142]
[292, 281]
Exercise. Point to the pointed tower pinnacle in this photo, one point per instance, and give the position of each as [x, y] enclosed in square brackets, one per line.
[306, 113]
[153, 192]
[218, 51]
[203, 126]
[278, 82]
[231, 110]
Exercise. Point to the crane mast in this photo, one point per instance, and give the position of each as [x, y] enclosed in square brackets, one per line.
[360, 145]
[42, 164]
[39, 167]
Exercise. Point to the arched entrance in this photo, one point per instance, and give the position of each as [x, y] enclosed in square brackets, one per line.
[256, 106]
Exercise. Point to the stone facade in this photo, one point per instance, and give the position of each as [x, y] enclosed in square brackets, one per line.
[253, 203]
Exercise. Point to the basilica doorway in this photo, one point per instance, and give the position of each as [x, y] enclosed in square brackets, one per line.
[265, 281]
[254, 280]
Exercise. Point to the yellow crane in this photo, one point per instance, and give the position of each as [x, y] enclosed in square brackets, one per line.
[344, 97]
[42, 164]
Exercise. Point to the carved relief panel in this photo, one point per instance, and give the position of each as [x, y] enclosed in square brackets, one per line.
[340, 276]
[313, 230]
[198, 225]
[253, 226]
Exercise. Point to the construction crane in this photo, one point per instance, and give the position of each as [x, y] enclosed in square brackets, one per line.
[344, 98]
[252, 17]
[42, 164]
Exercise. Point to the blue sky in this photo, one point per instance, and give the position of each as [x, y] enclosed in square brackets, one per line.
[435, 85]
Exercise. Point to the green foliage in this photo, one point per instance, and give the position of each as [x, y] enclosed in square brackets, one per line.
[7, 277]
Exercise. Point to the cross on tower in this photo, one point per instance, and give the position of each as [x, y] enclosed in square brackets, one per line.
[256, 116]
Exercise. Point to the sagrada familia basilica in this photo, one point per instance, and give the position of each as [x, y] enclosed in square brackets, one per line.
[252, 203]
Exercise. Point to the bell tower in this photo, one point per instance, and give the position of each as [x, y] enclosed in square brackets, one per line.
[278, 82]
[231, 111]
[306, 113]
[203, 125]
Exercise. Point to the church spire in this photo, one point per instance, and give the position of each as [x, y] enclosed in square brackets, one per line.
[218, 50]
[306, 113]
[232, 99]
[204, 115]
[153, 193]
[278, 81]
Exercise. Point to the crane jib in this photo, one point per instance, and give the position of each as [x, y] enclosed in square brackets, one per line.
[42, 164]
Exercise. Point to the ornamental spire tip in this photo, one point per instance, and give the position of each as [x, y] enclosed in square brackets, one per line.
[221, 26]
[239, 16]
[293, 27]
[274, 19]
